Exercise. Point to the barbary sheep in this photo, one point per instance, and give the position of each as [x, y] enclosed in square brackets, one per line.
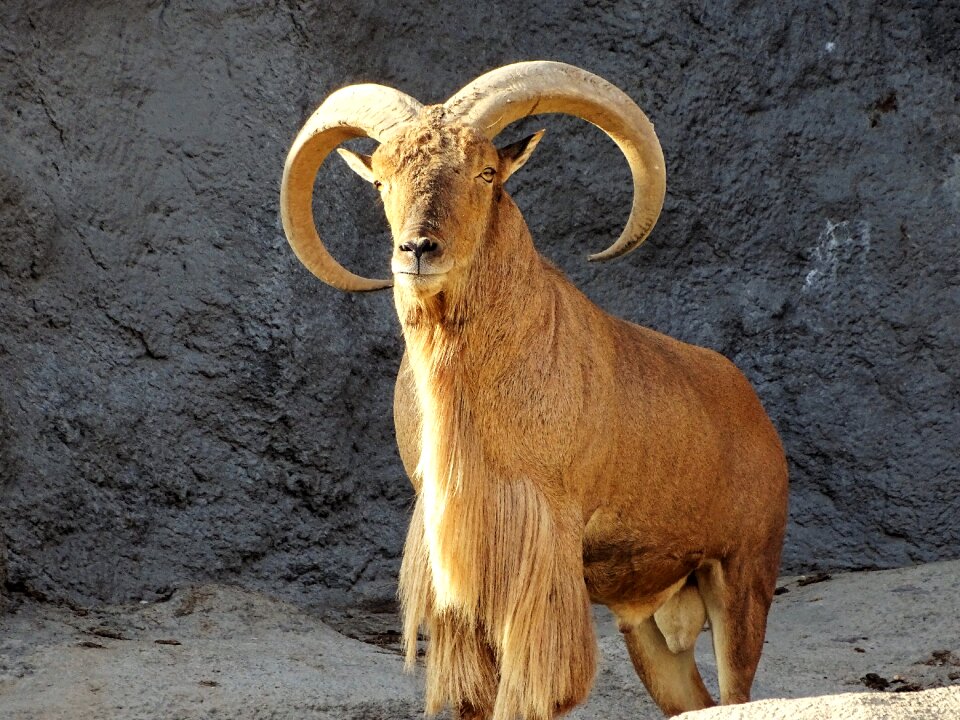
[560, 456]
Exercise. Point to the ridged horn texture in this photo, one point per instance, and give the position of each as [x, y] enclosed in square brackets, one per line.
[358, 110]
[502, 96]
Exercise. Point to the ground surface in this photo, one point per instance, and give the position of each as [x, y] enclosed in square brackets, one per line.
[221, 652]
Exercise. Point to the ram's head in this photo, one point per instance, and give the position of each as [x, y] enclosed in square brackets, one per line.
[440, 182]
[439, 174]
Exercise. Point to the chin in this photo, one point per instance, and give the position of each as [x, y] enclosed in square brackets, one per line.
[422, 286]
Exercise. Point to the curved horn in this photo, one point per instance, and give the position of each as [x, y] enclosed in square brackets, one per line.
[498, 98]
[354, 111]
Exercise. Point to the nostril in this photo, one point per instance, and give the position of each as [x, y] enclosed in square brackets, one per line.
[419, 247]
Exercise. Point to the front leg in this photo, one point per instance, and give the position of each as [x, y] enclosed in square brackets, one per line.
[461, 666]
[521, 642]
[540, 614]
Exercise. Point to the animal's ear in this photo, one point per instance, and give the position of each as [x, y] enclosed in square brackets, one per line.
[360, 164]
[512, 157]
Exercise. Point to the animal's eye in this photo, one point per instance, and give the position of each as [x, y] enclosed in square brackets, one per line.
[488, 174]
[378, 185]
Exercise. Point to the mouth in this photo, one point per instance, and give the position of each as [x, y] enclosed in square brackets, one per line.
[413, 273]
[418, 270]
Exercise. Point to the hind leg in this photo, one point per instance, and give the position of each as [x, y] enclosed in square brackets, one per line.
[672, 679]
[737, 596]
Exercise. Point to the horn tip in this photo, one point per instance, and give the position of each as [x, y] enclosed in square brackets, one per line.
[600, 257]
[618, 249]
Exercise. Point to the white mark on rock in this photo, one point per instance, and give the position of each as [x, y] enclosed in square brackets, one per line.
[840, 249]
[830, 47]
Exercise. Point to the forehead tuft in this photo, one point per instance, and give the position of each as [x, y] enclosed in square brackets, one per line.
[432, 136]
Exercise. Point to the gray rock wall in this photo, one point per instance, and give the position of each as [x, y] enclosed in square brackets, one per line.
[180, 400]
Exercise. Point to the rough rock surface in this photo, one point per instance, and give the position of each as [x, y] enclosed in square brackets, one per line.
[221, 652]
[181, 402]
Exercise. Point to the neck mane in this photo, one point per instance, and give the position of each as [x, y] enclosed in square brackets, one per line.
[458, 343]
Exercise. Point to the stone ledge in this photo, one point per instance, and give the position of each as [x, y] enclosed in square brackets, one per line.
[937, 704]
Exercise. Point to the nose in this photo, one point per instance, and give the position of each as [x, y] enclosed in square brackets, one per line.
[419, 246]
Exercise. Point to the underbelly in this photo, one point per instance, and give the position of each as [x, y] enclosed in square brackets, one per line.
[626, 572]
